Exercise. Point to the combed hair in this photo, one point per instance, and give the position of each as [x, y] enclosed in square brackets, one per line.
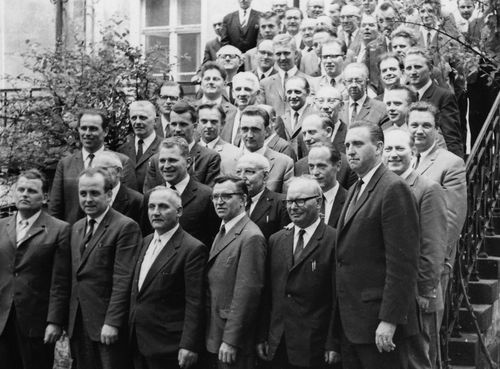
[268, 15]
[181, 107]
[376, 132]
[411, 94]
[425, 106]
[247, 77]
[405, 32]
[35, 174]
[342, 44]
[93, 171]
[213, 65]
[143, 104]
[178, 142]
[391, 55]
[326, 121]
[211, 106]
[284, 39]
[170, 84]
[174, 193]
[240, 183]
[334, 153]
[304, 80]
[360, 66]
[100, 112]
[422, 52]
[256, 111]
[309, 180]
[108, 156]
[258, 159]
[326, 29]
[294, 8]
[411, 139]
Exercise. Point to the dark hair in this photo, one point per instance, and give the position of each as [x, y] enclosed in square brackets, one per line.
[100, 112]
[391, 55]
[425, 106]
[326, 121]
[423, 53]
[181, 107]
[326, 29]
[35, 174]
[169, 84]
[211, 106]
[240, 183]
[376, 133]
[175, 141]
[255, 111]
[334, 154]
[405, 32]
[213, 65]
[304, 80]
[91, 172]
[269, 15]
[411, 94]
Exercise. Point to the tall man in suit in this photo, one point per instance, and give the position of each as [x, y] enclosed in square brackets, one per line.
[329, 101]
[297, 324]
[255, 127]
[264, 207]
[235, 274]
[34, 278]
[104, 246]
[431, 206]
[166, 321]
[205, 163]
[324, 164]
[359, 106]
[93, 128]
[124, 199]
[241, 28]
[143, 144]
[166, 96]
[376, 275]
[418, 67]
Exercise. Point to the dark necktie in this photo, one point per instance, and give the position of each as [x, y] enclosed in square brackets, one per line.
[417, 162]
[284, 83]
[91, 159]
[349, 37]
[262, 76]
[299, 247]
[354, 199]
[230, 87]
[323, 209]
[295, 120]
[354, 112]
[248, 205]
[332, 82]
[173, 188]
[88, 235]
[418, 96]
[139, 149]
[429, 39]
[222, 231]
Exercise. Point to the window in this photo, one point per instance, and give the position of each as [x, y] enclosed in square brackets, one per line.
[173, 27]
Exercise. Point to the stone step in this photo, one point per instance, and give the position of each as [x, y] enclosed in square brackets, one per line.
[489, 268]
[484, 291]
[465, 352]
[492, 245]
[484, 316]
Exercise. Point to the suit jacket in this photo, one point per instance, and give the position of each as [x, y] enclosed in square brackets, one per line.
[355, 44]
[211, 48]
[250, 60]
[338, 141]
[35, 275]
[345, 176]
[243, 38]
[102, 275]
[338, 204]
[235, 273]
[300, 300]
[280, 172]
[272, 92]
[372, 110]
[141, 165]
[324, 81]
[376, 275]
[205, 167]
[227, 128]
[373, 51]
[64, 203]
[431, 207]
[229, 155]
[160, 132]
[283, 146]
[448, 170]
[448, 117]
[128, 202]
[256, 72]
[198, 214]
[167, 313]
[310, 64]
[270, 214]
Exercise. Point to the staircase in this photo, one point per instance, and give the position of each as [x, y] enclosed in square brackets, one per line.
[470, 334]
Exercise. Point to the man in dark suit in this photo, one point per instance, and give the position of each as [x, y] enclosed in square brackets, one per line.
[235, 274]
[431, 206]
[167, 305]
[124, 200]
[93, 128]
[376, 275]
[104, 246]
[328, 100]
[359, 106]
[273, 141]
[350, 17]
[324, 164]
[205, 163]
[418, 66]
[296, 329]
[143, 144]
[166, 96]
[34, 278]
[264, 207]
[241, 28]
[333, 58]
[318, 128]
[198, 216]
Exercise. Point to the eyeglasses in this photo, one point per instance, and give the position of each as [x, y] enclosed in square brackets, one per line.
[299, 202]
[166, 97]
[224, 56]
[330, 100]
[357, 81]
[224, 196]
[332, 56]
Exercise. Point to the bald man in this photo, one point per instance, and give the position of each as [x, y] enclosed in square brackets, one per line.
[143, 144]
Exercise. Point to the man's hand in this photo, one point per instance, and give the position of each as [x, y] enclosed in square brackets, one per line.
[109, 334]
[52, 333]
[332, 357]
[227, 353]
[423, 302]
[263, 351]
[187, 358]
[383, 336]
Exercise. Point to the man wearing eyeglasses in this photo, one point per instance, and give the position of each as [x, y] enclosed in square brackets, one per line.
[310, 62]
[333, 57]
[350, 17]
[265, 60]
[235, 275]
[143, 144]
[359, 106]
[167, 95]
[296, 326]
[231, 59]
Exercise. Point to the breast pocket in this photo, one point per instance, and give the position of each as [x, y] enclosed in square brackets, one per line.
[104, 254]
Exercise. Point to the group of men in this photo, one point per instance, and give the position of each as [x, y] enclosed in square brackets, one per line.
[303, 213]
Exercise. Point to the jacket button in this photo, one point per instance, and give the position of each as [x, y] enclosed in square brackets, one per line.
[289, 296]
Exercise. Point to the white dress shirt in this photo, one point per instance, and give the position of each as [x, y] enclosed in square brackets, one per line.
[309, 231]
[255, 199]
[329, 200]
[24, 225]
[181, 186]
[230, 224]
[421, 91]
[146, 141]
[366, 179]
[85, 156]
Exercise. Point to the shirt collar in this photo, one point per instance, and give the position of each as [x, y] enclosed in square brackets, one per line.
[115, 192]
[422, 90]
[206, 100]
[191, 145]
[181, 186]
[31, 220]
[99, 219]
[360, 101]
[368, 176]
[266, 74]
[146, 141]
[290, 72]
[406, 173]
[85, 153]
[241, 11]
[257, 197]
[165, 237]
[211, 144]
[331, 193]
[231, 223]
[267, 140]
[425, 153]
[261, 151]
[309, 230]
[300, 111]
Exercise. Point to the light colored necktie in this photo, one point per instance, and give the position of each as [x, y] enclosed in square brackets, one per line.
[245, 19]
[90, 160]
[21, 230]
[354, 112]
[149, 259]
[299, 247]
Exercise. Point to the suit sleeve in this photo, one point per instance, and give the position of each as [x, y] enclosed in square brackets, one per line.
[194, 275]
[128, 244]
[247, 290]
[213, 169]
[206, 56]
[61, 279]
[432, 219]
[450, 125]
[400, 229]
[56, 203]
[287, 176]
[224, 35]
[129, 178]
[150, 178]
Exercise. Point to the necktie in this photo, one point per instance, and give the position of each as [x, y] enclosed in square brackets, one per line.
[299, 247]
[332, 82]
[322, 213]
[295, 120]
[354, 199]
[148, 260]
[428, 39]
[230, 88]
[418, 96]
[88, 235]
[417, 162]
[22, 228]
[222, 231]
[284, 82]
[90, 159]
[244, 23]
[173, 188]
[262, 76]
[349, 36]
[139, 149]
[248, 205]
[354, 112]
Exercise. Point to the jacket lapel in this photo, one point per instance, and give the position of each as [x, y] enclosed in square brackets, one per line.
[222, 243]
[152, 149]
[287, 122]
[101, 229]
[427, 161]
[11, 230]
[261, 207]
[189, 193]
[269, 157]
[365, 110]
[121, 200]
[311, 245]
[278, 84]
[287, 246]
[37, 227]
[338, 203]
